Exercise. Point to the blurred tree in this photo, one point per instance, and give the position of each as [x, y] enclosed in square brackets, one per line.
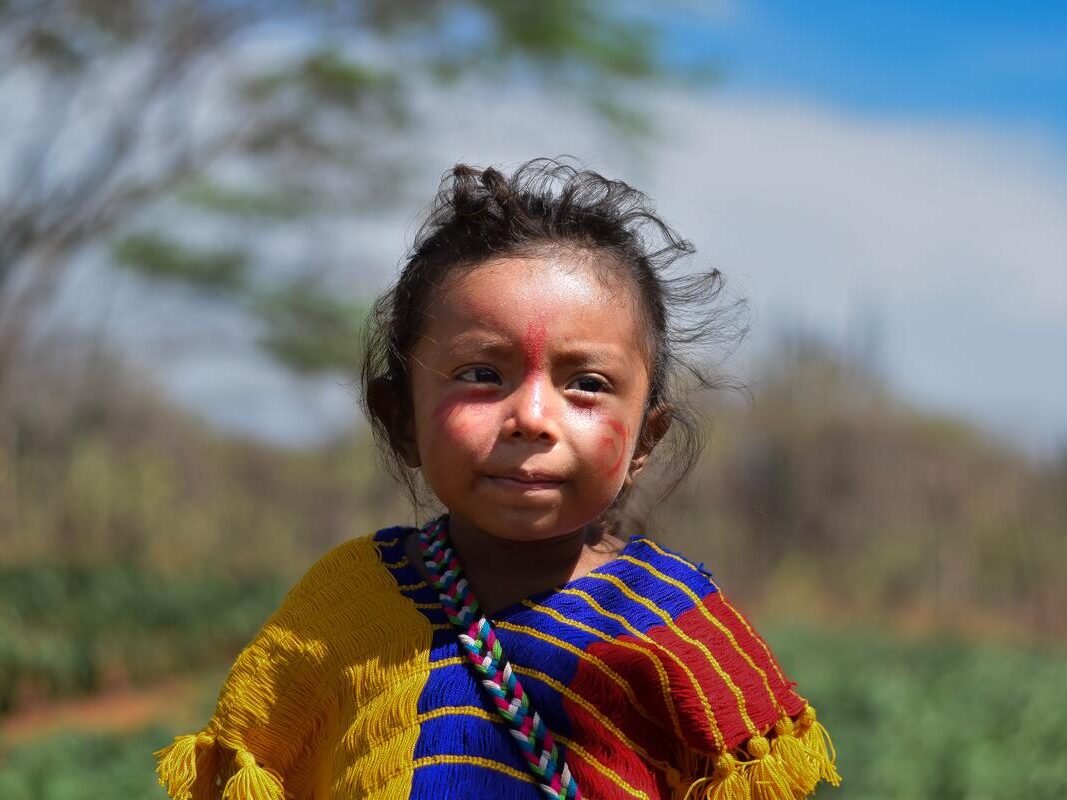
[121, 104]
[174, 138]
[124, 117]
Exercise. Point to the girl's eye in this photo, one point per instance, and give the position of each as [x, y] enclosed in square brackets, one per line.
[588, 383]
[479, 375]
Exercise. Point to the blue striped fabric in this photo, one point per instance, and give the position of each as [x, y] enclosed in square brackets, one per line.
[467, 724]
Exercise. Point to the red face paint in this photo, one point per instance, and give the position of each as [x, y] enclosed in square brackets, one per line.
[533, 348]
[614, 447]
[533, 345]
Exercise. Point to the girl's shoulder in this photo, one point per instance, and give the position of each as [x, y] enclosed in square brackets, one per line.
[282, 688]
[348, 594]
[357, 563]
[645, 560]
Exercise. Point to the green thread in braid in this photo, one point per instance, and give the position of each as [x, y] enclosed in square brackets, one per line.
[485, 653]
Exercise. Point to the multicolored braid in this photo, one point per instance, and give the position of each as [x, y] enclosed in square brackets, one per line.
[543, 756]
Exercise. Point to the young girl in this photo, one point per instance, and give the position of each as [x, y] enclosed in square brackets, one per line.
[525, 366]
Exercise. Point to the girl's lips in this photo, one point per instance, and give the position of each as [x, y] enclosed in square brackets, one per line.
[526, 483]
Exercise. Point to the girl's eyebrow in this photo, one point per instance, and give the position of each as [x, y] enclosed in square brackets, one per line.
[590, 354]
[482, 342]
[598, 355]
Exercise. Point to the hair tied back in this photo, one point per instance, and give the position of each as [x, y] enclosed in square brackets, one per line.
[500, 192]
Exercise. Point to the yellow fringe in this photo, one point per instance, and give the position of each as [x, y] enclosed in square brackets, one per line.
[177, 766]
[785, 767]
[188, 756]
[796, 760]
[820, 747]
[767, 776]
[252, 782]
[727, 782]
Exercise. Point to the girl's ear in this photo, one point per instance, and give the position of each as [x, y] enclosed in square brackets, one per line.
[386, 404]
[657, 423]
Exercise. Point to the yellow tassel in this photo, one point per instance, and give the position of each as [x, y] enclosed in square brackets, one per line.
[766, 775]
[727, 782]
[252, 782]
[177, 764]
[819, 746]
[798, 763]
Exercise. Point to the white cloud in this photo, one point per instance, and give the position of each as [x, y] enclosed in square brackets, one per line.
[954, 234]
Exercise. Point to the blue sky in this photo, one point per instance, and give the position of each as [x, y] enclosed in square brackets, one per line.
[992, 62]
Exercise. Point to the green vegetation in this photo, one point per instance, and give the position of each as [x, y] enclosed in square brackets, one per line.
[73, 767]
[155, 257]
[935, 719]
[69, 630]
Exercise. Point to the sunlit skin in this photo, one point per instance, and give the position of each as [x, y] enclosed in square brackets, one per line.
[530, 382]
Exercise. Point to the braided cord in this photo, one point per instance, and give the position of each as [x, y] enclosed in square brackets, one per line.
[543, 756]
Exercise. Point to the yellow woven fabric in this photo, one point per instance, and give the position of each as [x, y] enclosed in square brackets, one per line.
[286, 714]
[356, 689]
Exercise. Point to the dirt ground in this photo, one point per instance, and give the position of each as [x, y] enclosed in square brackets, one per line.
[116, 711]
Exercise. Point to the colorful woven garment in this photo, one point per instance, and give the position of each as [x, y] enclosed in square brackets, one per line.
[359, 686]
[486, 655]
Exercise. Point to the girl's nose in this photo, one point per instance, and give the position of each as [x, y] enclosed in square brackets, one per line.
[533, 414]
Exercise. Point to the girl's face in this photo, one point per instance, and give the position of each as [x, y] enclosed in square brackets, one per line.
[529, 379]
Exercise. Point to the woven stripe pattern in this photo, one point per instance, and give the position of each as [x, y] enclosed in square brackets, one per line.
[543, 755]
[649, 680]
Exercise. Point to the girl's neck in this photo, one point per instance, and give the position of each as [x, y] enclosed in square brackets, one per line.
[504, 571]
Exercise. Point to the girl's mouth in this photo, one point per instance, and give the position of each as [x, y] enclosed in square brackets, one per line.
[526, 482]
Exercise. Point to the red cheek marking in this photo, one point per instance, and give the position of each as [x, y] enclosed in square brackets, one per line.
[614, 446]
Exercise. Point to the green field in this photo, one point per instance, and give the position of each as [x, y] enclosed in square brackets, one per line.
[921, 720]
[70, 630]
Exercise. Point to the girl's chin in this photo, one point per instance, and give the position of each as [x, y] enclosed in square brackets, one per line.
[523, 521]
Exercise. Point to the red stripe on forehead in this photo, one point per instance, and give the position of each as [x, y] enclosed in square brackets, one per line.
[533, 344]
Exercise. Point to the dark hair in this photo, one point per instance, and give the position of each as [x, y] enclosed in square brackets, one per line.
[548, 205]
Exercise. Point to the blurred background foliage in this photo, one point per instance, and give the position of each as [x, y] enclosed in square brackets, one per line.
[908, 565]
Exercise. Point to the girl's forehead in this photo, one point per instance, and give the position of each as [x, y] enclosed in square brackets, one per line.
[536, 307]
[510, 291]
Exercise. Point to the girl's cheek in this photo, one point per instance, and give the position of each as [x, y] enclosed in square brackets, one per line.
[613, 446]
[467, 422]
[609, 438]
